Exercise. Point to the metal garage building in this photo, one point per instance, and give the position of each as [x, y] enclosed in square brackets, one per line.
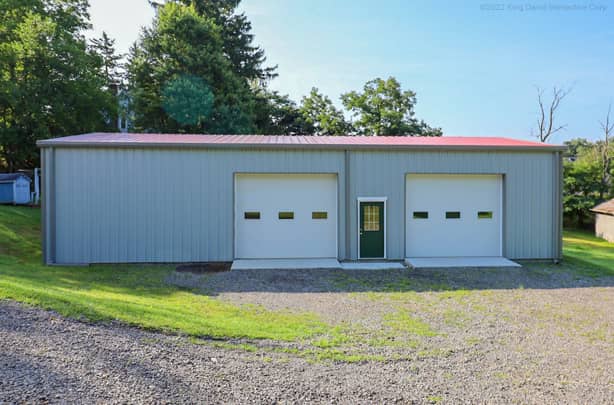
[119, 198]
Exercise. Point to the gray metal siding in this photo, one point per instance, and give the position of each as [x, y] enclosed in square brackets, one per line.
[113, 205]
[528, 198]
[162, 205]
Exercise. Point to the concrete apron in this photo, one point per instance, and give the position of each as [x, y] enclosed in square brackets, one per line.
[296, 264]
[433, 262]
[415, 262]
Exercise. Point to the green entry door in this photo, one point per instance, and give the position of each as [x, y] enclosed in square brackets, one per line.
[371, 230]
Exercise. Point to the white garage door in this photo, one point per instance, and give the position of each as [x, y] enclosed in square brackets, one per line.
[285, 216]
[453, 215]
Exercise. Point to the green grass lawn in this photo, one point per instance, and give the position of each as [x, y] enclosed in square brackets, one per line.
[133, 294]
[138, 295]
[591, 255]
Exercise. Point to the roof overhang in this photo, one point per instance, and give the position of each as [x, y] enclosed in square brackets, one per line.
[312, 143]
[611, 214]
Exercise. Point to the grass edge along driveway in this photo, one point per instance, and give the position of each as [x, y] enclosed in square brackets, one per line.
[137, 294]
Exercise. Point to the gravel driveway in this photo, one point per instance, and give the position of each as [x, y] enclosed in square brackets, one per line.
[534, 339]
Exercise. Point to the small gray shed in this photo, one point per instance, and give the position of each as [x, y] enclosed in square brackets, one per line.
[14, 188]
[604, 220]
[117, 198]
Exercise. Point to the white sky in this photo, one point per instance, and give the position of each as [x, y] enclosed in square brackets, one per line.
[121, 19]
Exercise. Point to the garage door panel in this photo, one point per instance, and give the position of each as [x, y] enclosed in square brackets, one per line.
[471, 234]
[299, 194]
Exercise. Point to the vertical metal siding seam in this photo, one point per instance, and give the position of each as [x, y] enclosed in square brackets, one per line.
[174, 179]
[89, 198]
[205, 164]
[560, 182]
[512, 225]
[554, 197]
[53, 214]
[535, 206]
[95, 191]
[346, 202]
[555, 203]
[81, 206]
[44, 207]
[122, 250]
[116, 230]
[130, 175]
[191, 193]
[222, 207]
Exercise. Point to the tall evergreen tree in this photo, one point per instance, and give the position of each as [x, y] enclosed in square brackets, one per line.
[111, 69]
[50, 82]
[111, 60]
[247, 59]
[189, 38]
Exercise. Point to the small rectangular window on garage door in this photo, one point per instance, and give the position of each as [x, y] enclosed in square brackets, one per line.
[251, 215]
[421, 215]
[319, 215]
[484, 214]
[286, 215]
[453, 214]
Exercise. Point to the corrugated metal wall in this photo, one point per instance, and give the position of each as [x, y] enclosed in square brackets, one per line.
[528, 193]
[154, 205]
[172, 205]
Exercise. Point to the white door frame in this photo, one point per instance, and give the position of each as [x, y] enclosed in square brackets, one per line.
[372, 199]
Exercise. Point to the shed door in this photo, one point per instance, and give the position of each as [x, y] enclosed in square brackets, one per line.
[6, 192]
[453, 215]
[286, 216]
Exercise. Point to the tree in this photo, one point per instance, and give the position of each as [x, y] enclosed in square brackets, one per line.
[183, 42]
[111, 60]
[50, 83]
[187, 100]
[580, 190]
[111, 69]
[319, 112]
[384, 109]
[547, 112]
[605, 154]
[246, 59]
[587, 177]
[576, 147]
[278, 115]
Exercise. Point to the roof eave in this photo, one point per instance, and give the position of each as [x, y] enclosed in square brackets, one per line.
[81, 144]
[602, 212]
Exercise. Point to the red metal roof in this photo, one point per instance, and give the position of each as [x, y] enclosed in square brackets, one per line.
[123, 139]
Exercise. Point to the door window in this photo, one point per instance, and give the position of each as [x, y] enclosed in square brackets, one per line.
[371, 218]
